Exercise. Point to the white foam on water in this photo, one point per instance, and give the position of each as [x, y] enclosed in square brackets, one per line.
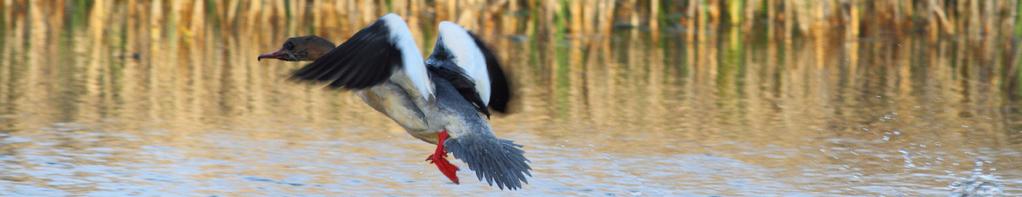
[977, 184]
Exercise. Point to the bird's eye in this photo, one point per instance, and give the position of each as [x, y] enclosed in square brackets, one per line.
[289, 46]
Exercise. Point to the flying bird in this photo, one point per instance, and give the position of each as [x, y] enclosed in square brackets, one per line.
[444, 100]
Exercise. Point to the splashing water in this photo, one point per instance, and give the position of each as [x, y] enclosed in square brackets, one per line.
[908, 158]
[979, 184]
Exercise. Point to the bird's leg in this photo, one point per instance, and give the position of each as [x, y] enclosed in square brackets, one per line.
[439, 158]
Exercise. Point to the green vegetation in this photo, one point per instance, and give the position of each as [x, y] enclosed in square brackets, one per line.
[970, 33]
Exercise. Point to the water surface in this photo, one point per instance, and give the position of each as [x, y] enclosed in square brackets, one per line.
[136, 110]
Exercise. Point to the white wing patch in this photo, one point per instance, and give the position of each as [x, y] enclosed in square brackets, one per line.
[413, 64]
[467, 55]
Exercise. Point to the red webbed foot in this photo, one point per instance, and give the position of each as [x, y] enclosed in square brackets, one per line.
[439, 158]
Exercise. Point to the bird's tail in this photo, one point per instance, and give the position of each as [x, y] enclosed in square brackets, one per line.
[496, 160]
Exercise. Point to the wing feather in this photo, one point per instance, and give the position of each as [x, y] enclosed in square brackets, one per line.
[475, 61]
[371, 57]
[500, 88]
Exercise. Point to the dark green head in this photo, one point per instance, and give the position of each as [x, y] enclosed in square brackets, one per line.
[303, 48]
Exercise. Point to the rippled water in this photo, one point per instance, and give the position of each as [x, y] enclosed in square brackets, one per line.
[138, 112]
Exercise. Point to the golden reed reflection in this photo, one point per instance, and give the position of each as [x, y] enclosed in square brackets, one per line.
[650, 73]
[185, 60]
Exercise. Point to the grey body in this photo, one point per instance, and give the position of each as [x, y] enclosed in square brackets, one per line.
[424, 119]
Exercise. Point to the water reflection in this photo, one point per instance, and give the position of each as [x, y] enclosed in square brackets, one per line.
[137, 102]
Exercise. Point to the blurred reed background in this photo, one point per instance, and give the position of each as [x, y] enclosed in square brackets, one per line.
[782, 19]
[981, 30]
[107, 50]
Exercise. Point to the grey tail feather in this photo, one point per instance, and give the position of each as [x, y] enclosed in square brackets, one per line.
[496, 160]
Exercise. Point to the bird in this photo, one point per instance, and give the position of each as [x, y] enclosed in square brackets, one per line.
[444, 99]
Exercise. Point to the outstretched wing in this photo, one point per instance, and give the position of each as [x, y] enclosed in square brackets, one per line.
[371, 57]
[460, 57]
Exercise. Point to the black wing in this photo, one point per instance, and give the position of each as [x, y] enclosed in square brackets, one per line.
[367, 59]
[463, 84]
[443, 63]
[500, 88]
[440, 64]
